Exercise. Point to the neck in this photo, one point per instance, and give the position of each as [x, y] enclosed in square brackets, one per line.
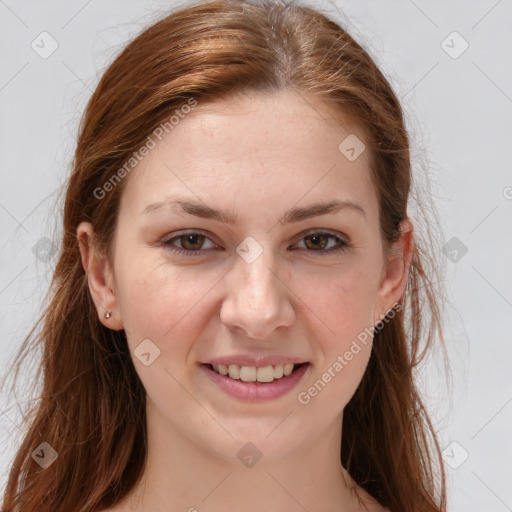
[180, 475]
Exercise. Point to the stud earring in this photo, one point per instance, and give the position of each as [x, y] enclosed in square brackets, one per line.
[107, 314]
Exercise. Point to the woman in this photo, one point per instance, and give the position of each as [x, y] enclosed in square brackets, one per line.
[240, 298]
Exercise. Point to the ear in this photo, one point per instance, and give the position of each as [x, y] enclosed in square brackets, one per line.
[100, 277]
[395, 273]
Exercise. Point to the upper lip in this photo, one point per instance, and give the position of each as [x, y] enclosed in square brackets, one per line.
[258, 362]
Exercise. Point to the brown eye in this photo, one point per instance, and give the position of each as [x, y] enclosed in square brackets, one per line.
[192, 241]
[317, 241]
[320, 242]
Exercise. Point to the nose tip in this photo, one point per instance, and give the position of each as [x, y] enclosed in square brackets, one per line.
[257, 300]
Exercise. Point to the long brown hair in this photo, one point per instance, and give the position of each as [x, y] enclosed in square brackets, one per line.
[91, 409]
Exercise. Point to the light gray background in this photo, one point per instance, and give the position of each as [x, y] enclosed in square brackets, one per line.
[458, 111]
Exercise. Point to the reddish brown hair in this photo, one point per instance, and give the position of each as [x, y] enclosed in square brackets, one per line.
[92, 406]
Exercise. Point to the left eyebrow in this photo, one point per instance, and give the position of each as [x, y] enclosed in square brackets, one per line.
[293, 215]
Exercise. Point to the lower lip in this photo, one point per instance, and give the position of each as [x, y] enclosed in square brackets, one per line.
[256, 391]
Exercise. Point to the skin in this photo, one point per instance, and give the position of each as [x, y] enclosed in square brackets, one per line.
[257, 156]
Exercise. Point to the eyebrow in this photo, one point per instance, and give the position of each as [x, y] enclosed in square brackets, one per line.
[293, 215]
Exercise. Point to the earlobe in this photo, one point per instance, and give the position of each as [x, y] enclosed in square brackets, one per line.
[99, 278]
[396, 271]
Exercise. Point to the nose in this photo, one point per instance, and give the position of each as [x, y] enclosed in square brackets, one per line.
[257, 299]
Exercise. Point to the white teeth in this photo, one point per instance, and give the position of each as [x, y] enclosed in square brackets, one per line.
[234, 371]
[266, 374]
[253, 374]
[288, 368]
[278, 371]
[248, 373]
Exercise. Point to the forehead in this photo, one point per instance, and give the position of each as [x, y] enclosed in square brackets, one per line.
[255, 149]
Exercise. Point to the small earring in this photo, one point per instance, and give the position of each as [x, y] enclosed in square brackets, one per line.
[107, 314]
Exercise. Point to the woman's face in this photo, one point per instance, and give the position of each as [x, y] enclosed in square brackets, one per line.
[285, 282]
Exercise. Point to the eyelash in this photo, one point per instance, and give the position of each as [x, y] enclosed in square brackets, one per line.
[342, 244]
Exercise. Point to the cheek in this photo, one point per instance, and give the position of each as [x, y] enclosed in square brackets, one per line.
[343, 302]
[160, 303]
[341, 321]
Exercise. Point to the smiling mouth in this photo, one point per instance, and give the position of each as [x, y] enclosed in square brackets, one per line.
[265, 374]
